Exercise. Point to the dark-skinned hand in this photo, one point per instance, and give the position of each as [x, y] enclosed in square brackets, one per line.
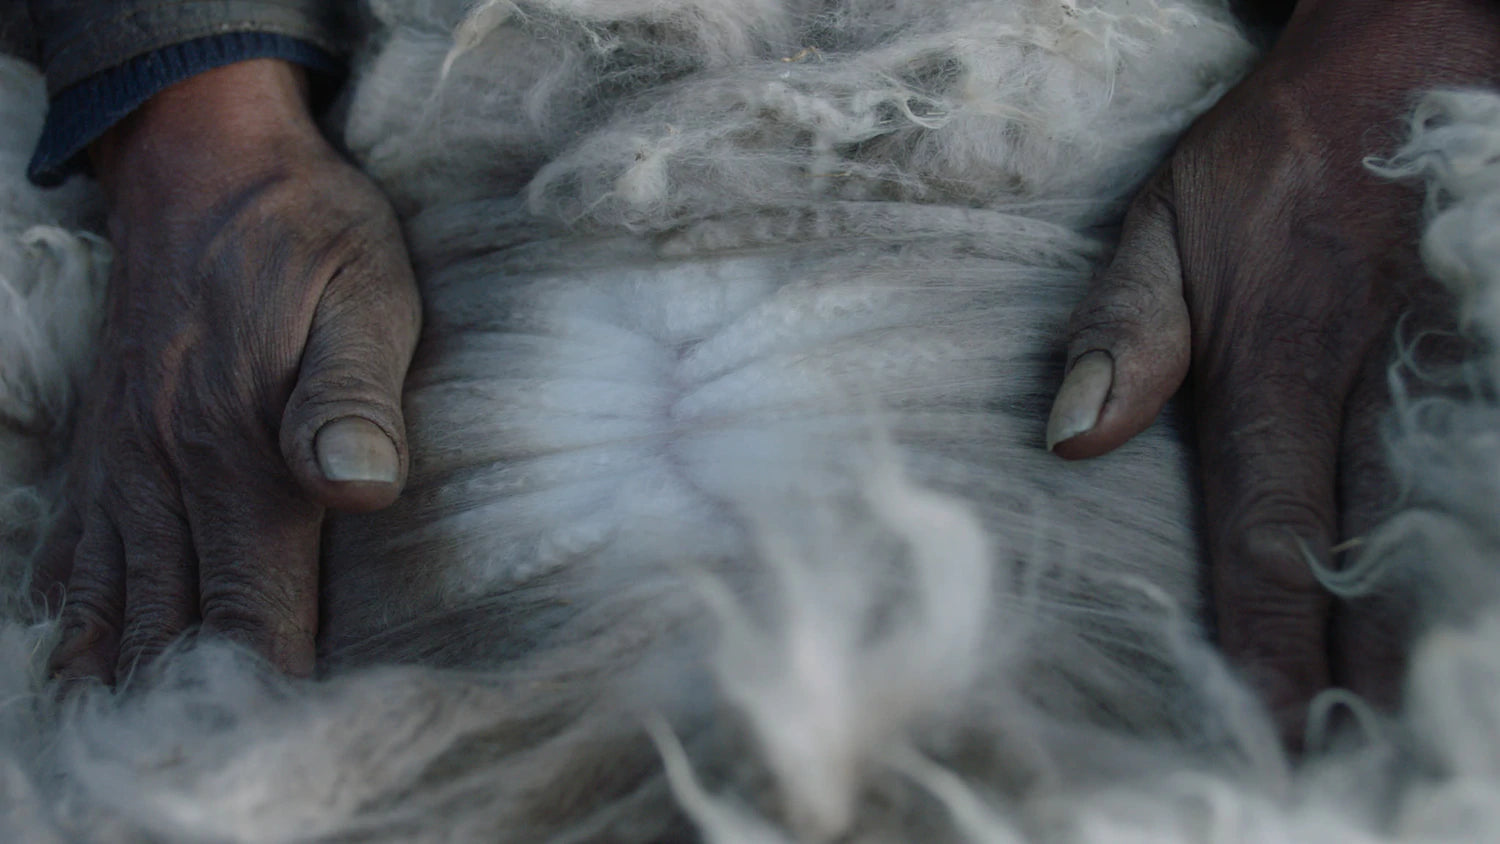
[1266, 264]
[260, 319]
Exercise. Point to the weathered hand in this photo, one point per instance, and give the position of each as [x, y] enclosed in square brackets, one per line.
[261, 317]
[1267, 263]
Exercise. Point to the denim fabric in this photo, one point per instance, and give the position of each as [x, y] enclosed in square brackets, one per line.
[80, 38]
[81, 113]
[103, 58]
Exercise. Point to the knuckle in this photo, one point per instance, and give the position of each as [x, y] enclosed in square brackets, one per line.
[132, 467]
[198, 446]
[93, 583]
[1273, 630]
[1144, 267]
[147, 511]
[355, 360]
[157, 609]
[346, 375]
[253, 616]
[240, 620]
[139, 647]
[1136, 316]
[1272, 435]
[375, 321]
[1110, 312]
[1268, 548]
[245, 458]
[318, 406]
[89, 619]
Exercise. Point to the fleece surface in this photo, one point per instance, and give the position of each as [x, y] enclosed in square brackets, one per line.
[729, 515]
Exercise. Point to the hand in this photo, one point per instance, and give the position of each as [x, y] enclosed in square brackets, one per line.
[260, 319]
[1267, 263]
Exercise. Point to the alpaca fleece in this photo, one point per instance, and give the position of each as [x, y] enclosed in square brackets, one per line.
[51, 284]
[729, 515]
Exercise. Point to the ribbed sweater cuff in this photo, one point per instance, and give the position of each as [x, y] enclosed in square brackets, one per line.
[79, 114]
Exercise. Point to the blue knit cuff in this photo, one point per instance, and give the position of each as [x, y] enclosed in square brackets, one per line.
[78, 115]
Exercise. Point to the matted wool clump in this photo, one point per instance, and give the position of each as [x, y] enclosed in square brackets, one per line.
[729, 513]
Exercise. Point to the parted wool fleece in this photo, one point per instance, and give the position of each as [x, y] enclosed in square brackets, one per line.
[729, 516]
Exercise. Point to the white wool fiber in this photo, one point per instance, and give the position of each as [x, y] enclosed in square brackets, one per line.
[651, 114]
[729, 516]
[51, 286]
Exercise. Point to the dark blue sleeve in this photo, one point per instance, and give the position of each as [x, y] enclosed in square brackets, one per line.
[79, 114]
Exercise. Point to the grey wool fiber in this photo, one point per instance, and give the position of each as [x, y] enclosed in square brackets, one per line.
[729, 516]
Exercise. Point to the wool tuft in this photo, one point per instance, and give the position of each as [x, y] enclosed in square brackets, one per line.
[729, 515]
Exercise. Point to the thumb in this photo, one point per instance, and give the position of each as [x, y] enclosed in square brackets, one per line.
[342, 433]
[1130, 337]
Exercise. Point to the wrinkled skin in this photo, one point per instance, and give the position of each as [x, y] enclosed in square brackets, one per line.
[261, 317]
[1265, 267]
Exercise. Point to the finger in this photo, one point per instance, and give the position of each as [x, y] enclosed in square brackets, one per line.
[94, 606]
[161, 589]
[1374, 626]
[54, 562]
[257, 545]
[342, 434]
[1268, 441]
[1367, 490]
[1131, 342]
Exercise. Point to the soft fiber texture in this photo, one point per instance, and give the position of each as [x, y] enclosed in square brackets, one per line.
[51, 286]
[729, 514]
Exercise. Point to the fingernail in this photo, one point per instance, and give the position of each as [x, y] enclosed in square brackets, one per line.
[1081, 397]
[355, 449]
